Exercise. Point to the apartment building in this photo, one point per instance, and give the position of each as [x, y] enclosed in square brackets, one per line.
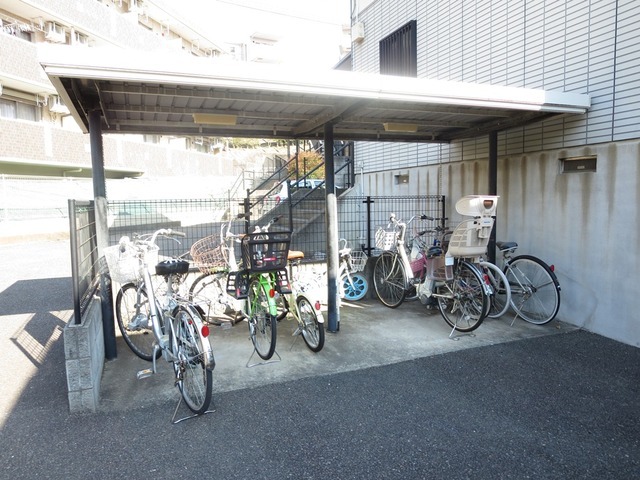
[40, 143]
[568, 186]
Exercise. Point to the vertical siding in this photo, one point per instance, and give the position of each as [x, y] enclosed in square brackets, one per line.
[627, 73]
[516, 43]
[601, 70]
[584, 46]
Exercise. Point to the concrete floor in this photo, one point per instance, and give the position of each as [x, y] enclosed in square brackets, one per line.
[370, 335]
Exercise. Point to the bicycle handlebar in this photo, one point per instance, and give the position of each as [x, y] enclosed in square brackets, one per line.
[139, 239]
[258, 229]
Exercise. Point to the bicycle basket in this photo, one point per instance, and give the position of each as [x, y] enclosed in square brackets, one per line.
[385, 239]
[124, 266]
[417, 266]
[358, 261]
[437, 268]
[265, 251]
[208, 254]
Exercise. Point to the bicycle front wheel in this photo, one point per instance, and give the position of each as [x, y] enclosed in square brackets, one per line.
[389, 279]
[463, 301]
[209, 288]
[134, 320]
[354, 286]
[312, 329]
[262, 324]
[193, 365]
[500, 298]
[535, 291]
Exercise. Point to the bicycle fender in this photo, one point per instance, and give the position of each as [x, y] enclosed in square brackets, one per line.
[209, 360]
[313, 303]
[545, 265]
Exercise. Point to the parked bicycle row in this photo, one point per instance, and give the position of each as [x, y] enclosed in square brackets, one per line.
[450, 268]
[169, 318]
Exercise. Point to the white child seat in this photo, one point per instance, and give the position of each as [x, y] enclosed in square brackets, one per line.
[470, 237]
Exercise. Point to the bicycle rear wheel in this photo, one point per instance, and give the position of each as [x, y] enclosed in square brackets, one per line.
[262, 324]
[500, 298]
[134, 320]
[535, 291]
[354, 286]
[389, 279]
[313, 330]
[192, 367]
[209, 288]
[463, 301]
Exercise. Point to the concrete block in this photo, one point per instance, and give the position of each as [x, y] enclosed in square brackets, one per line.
[84, 359]
[83, 401]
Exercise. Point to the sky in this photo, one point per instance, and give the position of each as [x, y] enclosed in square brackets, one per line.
[310, 31]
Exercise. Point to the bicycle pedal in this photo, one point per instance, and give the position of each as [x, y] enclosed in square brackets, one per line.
[147, 372]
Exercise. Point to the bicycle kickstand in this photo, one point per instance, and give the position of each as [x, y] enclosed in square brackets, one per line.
[263, 362]
[147, 372]
[193, 415]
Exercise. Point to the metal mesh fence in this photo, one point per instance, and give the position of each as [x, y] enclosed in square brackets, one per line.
[84, 255]
[358, 219]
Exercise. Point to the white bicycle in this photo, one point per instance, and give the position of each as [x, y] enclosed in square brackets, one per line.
[168, 325]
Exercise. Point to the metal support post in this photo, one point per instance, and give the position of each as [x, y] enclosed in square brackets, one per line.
[102, 230]
[332, 231]
[493, 187]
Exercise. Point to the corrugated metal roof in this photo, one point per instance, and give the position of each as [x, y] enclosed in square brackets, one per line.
[140, 92]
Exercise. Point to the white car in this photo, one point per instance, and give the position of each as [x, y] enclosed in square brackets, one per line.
[283, 194]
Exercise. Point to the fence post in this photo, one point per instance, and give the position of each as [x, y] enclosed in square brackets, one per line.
[247, 212]
[106, 292]
[368, 201]
[73, 241]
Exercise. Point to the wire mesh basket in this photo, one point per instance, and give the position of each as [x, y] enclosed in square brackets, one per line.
[208, 254]
[385, 239]
[123, 261]
[265, 251]
[358, 260]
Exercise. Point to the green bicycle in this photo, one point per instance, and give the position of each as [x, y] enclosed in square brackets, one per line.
[264, 256]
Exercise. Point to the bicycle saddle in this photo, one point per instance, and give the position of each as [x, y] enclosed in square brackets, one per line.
[172, 267]
[506, 245]
[434, 252]
[295, 255]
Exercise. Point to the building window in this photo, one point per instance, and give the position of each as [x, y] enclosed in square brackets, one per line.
[17, 29]
[398, 52]
[17, 110]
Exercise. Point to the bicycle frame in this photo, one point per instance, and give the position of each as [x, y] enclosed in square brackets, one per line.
[402, 251]
[306, 289]
[177, 330]
[347, 273]
[161, 317]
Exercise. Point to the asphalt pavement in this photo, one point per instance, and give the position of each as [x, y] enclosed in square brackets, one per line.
[391, 396]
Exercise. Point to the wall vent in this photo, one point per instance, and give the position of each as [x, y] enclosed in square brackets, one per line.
[578, 164]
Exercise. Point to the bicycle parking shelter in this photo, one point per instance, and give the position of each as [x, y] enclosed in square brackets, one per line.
[121, 91]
